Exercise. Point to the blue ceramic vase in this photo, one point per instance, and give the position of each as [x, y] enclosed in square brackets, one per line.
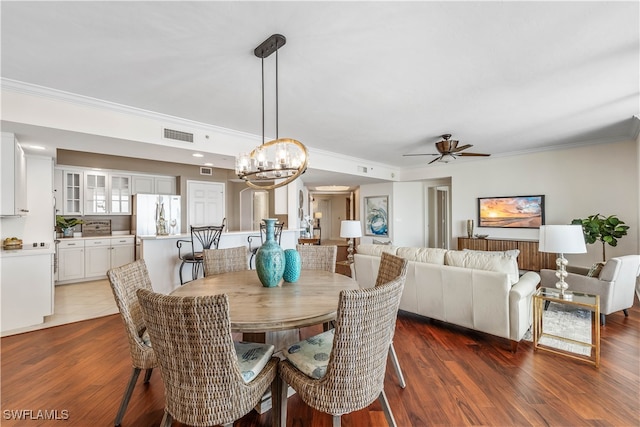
[293, 265]
[270, 260]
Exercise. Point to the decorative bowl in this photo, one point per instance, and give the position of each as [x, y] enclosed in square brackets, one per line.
[481, 236]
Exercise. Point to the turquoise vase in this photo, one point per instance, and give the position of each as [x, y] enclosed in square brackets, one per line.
[270, 260]
[293, 265]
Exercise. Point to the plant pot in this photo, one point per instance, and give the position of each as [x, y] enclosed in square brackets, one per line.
[67, 232]
[270, 260]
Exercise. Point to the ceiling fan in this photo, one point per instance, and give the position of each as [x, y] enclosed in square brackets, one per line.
[448, 150]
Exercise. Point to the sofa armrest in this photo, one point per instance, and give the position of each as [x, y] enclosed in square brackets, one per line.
[520, 305]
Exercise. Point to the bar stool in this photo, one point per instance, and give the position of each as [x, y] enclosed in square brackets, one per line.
[209, 237]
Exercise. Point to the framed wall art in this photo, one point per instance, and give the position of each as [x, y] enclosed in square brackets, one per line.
[376, 211]
[511, 212]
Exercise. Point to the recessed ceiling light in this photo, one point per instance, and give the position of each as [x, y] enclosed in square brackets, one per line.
[197, 155]
[37, 147]
[332, 188]
[208, 164]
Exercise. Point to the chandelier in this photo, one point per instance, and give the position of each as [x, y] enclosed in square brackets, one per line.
[275, 163]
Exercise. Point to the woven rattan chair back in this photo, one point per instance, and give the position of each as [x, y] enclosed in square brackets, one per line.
[125, 281]
[391, 266]
[316, 257]
[357, 363]
[199, 366]
[218, 261]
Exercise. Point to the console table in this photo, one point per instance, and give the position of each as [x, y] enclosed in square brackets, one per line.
[528, 259]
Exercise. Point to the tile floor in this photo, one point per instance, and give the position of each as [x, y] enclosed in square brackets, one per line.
[75, 302]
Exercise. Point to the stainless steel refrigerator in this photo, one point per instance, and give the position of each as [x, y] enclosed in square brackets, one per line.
[155, 214]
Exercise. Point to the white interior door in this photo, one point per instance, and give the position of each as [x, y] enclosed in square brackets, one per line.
[205, 203]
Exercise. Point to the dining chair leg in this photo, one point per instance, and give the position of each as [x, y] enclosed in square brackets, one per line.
[337, 421]
[396, 366]
[147, 375]
[167, 420]
[387, 409]
[127, 396]
[282, 389]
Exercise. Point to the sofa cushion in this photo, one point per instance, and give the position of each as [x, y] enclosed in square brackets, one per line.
[376, 250]
[483, 261]
[427, 255]
[509, 252]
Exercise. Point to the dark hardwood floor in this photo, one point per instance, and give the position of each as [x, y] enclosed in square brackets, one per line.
[455, 377]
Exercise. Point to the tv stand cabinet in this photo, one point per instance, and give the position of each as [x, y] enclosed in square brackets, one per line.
[528, 259]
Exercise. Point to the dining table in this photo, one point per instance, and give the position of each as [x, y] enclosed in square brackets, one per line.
[274, 315]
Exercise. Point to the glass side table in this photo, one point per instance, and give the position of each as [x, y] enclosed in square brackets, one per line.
[575, 300]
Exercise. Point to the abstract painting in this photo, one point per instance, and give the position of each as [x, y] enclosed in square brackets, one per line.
[376, 210]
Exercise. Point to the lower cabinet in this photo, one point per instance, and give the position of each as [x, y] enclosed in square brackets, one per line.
[86, 259]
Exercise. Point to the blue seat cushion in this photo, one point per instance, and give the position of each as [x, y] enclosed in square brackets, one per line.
[311, 356]
[252, 358]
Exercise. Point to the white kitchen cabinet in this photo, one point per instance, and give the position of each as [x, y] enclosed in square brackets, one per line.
[106, 193]
[150, 184]
[97, 258]
[122, 251]
[13, 177]
[72, 192]
[71, 260]
[27, 289]
[102, 254]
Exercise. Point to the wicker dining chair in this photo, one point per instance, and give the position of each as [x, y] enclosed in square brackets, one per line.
[218, 261]
[390, 268]
[209, 379]
[316, 257]
[125, 281]
[342, 370]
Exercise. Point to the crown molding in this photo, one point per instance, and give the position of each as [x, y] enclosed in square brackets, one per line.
[87, 101]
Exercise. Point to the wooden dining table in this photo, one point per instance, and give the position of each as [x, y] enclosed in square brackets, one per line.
[274, 315]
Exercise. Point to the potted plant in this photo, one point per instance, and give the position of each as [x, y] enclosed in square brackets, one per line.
[605, 229]
[67, 225]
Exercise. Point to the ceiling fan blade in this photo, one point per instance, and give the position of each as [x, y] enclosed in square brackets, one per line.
[434, 160]
[472, 154]
[464, 147]
[409, 155]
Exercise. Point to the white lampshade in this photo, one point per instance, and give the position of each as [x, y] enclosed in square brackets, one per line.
[350, 229]
[317, 215]
[562, 239]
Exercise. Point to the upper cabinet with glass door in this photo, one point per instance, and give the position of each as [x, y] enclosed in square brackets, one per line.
[107, 194]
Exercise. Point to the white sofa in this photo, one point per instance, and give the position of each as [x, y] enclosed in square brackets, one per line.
[474, 289]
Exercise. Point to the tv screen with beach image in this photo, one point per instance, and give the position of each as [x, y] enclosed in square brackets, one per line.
[511, 212]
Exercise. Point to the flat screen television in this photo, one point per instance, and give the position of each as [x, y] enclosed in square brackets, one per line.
[511, 212]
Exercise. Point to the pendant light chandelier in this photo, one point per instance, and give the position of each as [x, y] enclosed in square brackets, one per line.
[275, 163]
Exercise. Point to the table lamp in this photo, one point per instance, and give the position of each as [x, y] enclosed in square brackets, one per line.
[350, 229]
[317, 216]
[562, 239]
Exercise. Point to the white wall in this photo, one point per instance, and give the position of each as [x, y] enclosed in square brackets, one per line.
[409, 219]
[576, 182]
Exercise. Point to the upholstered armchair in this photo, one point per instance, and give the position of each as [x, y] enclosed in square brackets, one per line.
[615, 284]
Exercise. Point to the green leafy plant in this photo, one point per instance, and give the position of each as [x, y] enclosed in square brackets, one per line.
[63, 222]
[604, 229]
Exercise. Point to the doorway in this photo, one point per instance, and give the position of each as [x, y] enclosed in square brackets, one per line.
[254, 206]
[439, 217]
[205, 203]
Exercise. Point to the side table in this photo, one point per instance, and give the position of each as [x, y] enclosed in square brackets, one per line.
[577, 300]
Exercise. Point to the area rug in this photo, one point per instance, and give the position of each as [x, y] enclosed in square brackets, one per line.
[566, 322]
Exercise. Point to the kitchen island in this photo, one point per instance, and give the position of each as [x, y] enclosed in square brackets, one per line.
[161, 254]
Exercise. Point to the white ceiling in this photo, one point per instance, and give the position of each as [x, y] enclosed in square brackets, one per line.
[371, 80]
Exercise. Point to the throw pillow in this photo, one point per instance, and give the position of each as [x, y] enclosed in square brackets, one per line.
[380, 242]
[595, 270]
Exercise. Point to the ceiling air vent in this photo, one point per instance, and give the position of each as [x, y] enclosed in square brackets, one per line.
[177, 135]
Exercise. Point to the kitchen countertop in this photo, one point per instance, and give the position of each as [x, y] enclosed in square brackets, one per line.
[112, 236]
[28, 250]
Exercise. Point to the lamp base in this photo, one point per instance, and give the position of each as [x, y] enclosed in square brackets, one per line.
[561, 273]
[350, 252]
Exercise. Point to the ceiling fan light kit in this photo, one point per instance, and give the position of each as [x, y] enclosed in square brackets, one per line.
[448, 150]
[278, 162]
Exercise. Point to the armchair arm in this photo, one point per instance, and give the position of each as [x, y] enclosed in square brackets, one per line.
[250, 240]
[179, 244]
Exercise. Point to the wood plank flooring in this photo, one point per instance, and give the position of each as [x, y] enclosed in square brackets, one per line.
[455, 377]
